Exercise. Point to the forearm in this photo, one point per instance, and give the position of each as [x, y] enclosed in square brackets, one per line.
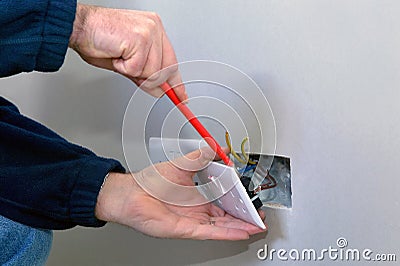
[47, 182]
[34, 35]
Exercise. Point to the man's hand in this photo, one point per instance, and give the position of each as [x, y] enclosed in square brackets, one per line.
[123, 201]
[132, 43]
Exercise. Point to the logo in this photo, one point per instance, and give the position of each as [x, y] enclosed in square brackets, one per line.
[340, 252]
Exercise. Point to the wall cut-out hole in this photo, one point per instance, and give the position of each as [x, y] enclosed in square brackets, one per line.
[270, 178]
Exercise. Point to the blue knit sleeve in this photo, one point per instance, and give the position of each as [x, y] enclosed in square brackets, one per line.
[34, 35]
[46, 181]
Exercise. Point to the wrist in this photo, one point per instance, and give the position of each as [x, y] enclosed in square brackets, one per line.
[112, 195]
[81, 16]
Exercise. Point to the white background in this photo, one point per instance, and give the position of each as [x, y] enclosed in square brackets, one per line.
[331, 72]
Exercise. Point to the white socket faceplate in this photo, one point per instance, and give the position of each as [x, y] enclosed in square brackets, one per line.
[223, 184]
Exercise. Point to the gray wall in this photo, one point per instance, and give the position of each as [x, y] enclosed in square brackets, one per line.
[330, 70]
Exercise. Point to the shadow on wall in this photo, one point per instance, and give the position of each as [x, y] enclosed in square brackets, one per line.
[118, 245]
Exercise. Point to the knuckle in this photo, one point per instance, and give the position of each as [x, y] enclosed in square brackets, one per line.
[153, 21]
[137, 71]
[124, 46]
[145, 35]
[154, 75]
[134, 69]
[155, 17]
[173, 68]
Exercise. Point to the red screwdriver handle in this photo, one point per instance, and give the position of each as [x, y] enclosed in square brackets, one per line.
[196, 123]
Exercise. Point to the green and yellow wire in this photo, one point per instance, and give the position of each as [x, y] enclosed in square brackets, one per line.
[240, 159]
[246, 157]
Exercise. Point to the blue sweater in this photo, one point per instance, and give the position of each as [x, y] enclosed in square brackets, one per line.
[45, 181]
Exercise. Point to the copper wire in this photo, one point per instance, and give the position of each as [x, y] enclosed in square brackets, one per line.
[271, 183]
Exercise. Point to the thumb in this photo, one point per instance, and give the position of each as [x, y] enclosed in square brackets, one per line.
[197, 160]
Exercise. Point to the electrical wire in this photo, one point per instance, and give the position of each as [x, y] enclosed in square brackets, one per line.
[247, 168]
[246, 157]
[228, 142]
[250, 165]
[271, 183]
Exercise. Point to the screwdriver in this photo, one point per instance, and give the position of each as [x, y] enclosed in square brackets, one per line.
[196, 123]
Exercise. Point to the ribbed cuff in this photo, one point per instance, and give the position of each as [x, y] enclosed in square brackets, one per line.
[57, 29]
[84, 195]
